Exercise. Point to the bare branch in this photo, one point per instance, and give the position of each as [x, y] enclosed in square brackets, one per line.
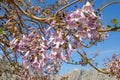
[67, 6]
[30, 15]
[91, 63]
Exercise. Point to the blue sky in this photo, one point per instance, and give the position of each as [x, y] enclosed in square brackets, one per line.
[108, 47]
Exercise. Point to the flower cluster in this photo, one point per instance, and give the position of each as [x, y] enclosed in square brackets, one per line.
[45, 53]
[38, 52]
[114, 67]
[85, 24]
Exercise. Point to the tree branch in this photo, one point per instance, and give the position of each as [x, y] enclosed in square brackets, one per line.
[109, 29]
[91, 63]
[2, 17]
[30, 15]
[99, 10]
[67, 6]
[8, 58]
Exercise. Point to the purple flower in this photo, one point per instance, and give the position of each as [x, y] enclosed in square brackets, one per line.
[22, 46]
[35, 63]
[13, 43]
[25, 39]
[26, 55]
[87, 7]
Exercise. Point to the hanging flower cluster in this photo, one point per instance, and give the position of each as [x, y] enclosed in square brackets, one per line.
[45, 53]
[85, 23]
[114, 66]
[35, 52]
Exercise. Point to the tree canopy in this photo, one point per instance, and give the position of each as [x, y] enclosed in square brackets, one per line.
[36, 36]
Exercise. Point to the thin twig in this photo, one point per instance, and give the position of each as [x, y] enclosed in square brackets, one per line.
[110, 29]
[99, 10]
[67, 6]
[30, 15]
[12, 64]
[91, 63]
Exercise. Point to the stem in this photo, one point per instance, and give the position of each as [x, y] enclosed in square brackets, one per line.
[98, 10]
[67, 6]
[110, 29]
[8, 58]
[91, 63]
[71, 63]
[30, 15]
[97, 68]
[2, 17]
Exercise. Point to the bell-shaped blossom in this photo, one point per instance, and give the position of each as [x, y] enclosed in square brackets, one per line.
[22, 46]
[25, 39]
[14, 43]
[35, 63]
[87, 7]
[26, 54]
